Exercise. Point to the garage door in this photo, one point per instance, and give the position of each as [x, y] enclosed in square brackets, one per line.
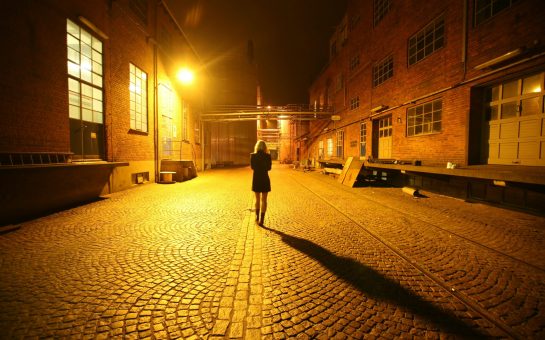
[517, 122]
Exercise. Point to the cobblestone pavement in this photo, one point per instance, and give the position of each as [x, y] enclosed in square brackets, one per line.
[187, 261]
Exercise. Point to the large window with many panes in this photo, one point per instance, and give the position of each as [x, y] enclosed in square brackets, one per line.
[424, 119]
[485, 9]
[426, 41]
[383, 70]
[138, 99]
[85, 93]
[84, 74]
[330, 147]
[354, 102]
[380, 9]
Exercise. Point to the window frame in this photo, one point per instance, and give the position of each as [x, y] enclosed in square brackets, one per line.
[329, 147]
[363, 139]
[383, 70]
[340, 144]
[354, 102]
[138, 102]
[436, 28]
[488, 5]
[419, 114]
[380, 10]
[85, 74]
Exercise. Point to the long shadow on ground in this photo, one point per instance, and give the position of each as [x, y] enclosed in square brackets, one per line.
[374, 285]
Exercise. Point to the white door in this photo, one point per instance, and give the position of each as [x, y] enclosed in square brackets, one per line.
[385, 137]
[517, 122]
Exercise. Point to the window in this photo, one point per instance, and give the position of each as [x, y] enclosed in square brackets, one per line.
[424, 119]
[427, 41]
[85, 92]
[383, 71]
[321, 149]
[184, 120]
[485, 9]
[354, 103]
[138, 97]
[166, 110]
[354, 63]
[380, 9]
[140, 8]
[354, 20]
[363, 138]
[330, 147]
[516, 98]
[197, 133]
[340, 143]
[339, 82]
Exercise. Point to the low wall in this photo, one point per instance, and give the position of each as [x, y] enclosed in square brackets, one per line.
[28, 191]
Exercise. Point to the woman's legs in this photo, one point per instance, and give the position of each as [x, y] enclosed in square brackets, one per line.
[264, 202]
[257, 200]
[263, 207]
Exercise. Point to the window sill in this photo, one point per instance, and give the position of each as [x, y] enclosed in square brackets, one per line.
[138, 132]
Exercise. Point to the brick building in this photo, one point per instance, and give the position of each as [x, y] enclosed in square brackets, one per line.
[90, 100]
[428, 83]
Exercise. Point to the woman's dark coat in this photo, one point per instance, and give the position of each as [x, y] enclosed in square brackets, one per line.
[261, 164]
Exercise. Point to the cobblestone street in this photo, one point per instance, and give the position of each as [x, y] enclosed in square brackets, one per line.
[188, 261]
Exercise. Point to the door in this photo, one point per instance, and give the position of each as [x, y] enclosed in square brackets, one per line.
[385, 137]
[516, 122]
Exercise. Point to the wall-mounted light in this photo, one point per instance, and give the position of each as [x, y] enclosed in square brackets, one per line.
[399, 120]
[506, 56]
[185, 76]
[379, 108]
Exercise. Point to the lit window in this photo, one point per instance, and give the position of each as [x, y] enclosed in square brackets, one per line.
[138, 98]
[330, 147]
[184, 118]
[321, 149]
[383, 71]
[424, 119]
[428, 40]
[485, 9]
[84, 63]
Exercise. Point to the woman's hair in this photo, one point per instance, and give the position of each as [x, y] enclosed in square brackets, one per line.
[261, 146]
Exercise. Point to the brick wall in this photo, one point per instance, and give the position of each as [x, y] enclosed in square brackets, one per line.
[441, 75]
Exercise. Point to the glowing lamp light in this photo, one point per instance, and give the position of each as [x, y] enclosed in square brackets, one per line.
[185, 76]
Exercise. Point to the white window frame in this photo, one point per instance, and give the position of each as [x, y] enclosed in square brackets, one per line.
[363, 139]
[138, 89]
[330, 147]
[85, 74]
[340, 143]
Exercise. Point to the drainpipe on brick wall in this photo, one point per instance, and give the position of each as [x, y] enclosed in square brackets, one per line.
[464, 37]
[155, 104]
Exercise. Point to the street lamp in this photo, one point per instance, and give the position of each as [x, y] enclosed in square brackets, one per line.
[185, 76]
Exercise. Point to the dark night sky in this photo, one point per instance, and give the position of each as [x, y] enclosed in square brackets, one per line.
[290, 37]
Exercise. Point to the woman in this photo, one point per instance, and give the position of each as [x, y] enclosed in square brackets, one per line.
[260, 161]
